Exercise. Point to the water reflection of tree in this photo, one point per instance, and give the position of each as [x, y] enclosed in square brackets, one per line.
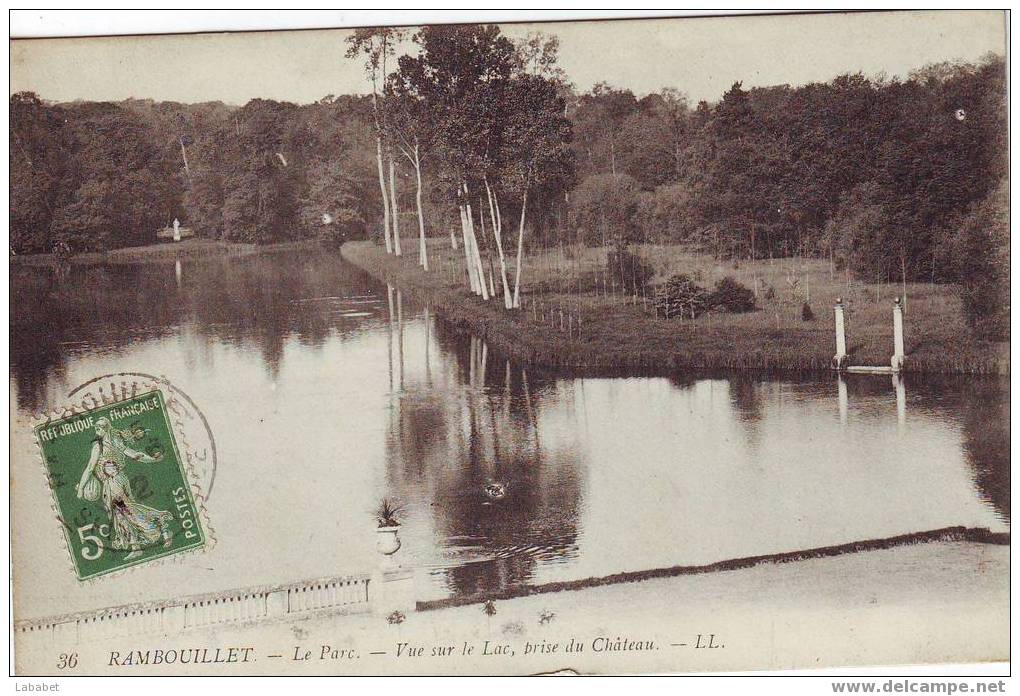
[449, 446]
[267, 299]
[985, 415]
[58, 312]
[746, 397]
[748, 405]
[259, 300]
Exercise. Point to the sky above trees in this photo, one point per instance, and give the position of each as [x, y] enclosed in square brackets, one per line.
[700, 56]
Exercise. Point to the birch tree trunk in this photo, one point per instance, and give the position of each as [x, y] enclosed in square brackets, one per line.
[395, 218]
[378, 161]
[423, 255]
[468, 262]
[498, 234]
[380, 126]
[475, 254]
[476, 259]
[187, 169]
[385, 195]
[488, 254]
[520, 250]
[903, 278]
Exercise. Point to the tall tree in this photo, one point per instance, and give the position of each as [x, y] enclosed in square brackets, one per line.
[535, 147]
[262, 189]
[452, 72]
[412, 127]
[598, 120]
[120, 186]
[376, 44]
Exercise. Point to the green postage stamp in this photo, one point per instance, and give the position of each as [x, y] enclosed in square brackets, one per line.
[120, 485]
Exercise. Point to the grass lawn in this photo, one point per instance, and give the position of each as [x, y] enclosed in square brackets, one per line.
[571, 316]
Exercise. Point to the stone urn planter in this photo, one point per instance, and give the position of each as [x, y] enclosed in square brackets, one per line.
[387, 540]
[387, 518]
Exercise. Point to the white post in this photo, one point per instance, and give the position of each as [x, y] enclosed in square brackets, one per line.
[839, 360]
[897, 358]
[177, 230]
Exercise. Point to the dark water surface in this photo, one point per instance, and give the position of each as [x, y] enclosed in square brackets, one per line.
[326, 392]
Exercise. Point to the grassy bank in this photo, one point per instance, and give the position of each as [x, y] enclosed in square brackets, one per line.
[573, 315]
[185, 249]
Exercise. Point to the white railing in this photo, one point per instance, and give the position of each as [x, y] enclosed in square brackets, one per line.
[249, 605]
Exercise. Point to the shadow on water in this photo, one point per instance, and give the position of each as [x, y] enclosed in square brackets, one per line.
[983, 408]
[258, 301]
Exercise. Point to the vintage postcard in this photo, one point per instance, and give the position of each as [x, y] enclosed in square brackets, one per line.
[672, 345]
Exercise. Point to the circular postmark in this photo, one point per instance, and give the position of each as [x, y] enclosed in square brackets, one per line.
[202, 444]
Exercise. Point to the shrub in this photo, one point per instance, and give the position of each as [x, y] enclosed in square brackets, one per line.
[806, 314]
[632, 272]
[680, 297]
[732, 296]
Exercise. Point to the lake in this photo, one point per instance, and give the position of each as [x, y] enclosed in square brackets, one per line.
[327, 391]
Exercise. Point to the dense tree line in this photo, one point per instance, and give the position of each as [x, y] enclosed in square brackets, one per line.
[473, 135]
[96, 176]
[89, 175]
[875, 174]
[893, 180]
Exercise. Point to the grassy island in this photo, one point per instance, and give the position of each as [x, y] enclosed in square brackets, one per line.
[569, 318]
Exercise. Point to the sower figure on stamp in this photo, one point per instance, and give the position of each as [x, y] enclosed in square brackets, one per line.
[134, 525]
